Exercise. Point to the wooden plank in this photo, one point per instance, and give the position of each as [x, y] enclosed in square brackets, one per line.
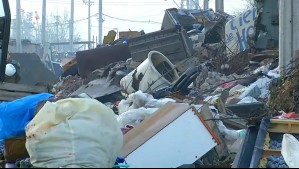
[284, 121]
[268, 152]
[9, 96]
[284, 126]
[151, 126]
[23, 88]
[221, 149]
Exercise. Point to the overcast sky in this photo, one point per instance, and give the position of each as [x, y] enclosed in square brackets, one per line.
[136, 10]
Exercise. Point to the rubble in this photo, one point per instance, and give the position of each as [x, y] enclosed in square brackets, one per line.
[68, 85]
[179, 88]
[215, 79]
[284, 93]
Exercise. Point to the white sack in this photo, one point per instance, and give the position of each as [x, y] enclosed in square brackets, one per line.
[290, 150]
[72, 133]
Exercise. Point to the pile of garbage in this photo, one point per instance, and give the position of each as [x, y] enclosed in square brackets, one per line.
[68, 85]
[135, 96]
[284, 93]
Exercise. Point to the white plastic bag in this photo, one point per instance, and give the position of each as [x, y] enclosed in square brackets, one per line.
[135, 116]
[134, 101]
[154, 103]
[230, 135]
[139, 99]
[290, 150]
[74, 133]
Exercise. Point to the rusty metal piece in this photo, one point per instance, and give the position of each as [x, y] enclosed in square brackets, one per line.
[93, 59]
[217, 140]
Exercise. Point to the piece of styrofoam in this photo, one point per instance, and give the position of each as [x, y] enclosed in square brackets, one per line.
[181, 142]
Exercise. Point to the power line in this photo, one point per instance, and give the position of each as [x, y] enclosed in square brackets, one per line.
[196, 4]
[176, 4]
[128, 20]
[96, 14]
[131, 3]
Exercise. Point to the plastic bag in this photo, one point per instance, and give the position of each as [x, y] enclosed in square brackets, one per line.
[74, 133]
[15, 115]
[135, 116]
[139, 99]
[134, 101]
[154, 103]
[230, 135]
[290, 150]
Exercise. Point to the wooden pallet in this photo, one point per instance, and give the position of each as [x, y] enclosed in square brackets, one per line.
[11, 91]
[281, 126]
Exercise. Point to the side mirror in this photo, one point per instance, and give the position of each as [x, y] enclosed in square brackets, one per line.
[5, 21]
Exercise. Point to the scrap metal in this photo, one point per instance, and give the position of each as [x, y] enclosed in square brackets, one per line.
[93, 59]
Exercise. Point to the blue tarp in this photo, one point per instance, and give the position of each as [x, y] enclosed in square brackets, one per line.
[15, 115]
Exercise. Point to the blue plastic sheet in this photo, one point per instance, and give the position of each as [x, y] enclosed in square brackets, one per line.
[15, 115]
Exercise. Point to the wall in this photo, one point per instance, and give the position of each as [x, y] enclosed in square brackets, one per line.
[269, 22]
[288, 34]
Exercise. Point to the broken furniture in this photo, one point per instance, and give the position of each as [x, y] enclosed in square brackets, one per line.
[173, 136]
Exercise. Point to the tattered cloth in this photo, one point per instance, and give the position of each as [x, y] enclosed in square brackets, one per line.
[15, 115]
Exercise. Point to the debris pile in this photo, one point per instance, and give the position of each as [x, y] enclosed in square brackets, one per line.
[285, 94]
[170, 92]
[68, 85]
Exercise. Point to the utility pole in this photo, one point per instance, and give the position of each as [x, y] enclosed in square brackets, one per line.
[44, 13]
[89, 25]
[19, 35]
[88, 3]
[189, 4]
[100, 22]
[57, 32]
[288, 35]
[219, 5]
[72, 27]
[195, 4]
[206, 4]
